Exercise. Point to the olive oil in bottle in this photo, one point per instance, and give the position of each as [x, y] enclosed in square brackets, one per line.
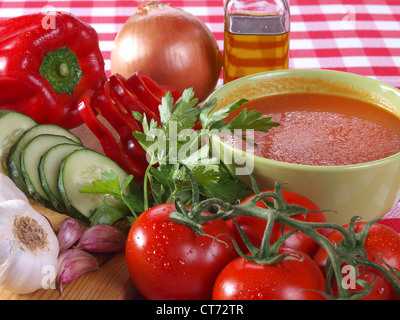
[255, 41]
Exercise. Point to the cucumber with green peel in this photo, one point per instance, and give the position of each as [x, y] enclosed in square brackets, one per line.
[78, 170]
[13, 124]
[14, 156]
[50, 164]
[30, 160]
[49, 169]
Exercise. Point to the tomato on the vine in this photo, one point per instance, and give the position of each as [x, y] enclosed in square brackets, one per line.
[298, 278]
[381, 242]
[167, 260]
[254, 227]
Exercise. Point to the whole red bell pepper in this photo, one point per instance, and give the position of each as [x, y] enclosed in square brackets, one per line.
[46, 67]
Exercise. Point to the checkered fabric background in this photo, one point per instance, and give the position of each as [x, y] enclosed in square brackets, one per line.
[358, 36]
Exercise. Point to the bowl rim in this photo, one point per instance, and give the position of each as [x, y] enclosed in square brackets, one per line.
[308, 73]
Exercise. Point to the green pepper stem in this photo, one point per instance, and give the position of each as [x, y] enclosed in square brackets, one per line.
[64, 70]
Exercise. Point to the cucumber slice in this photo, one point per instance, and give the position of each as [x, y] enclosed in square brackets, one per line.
[30, 160]
[49, 169]
[78, 170]
[13, 124]
[14, 156]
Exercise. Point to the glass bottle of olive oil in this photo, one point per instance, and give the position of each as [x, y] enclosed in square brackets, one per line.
[256, 37]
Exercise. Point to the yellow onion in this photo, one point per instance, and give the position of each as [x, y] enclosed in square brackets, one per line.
[170, 45]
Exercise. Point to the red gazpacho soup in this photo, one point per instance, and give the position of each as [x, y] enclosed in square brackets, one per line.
[325, 129]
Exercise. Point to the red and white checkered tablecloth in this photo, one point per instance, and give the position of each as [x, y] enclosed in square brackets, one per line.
[358, 36]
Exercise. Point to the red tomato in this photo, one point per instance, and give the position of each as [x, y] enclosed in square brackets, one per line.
[242, 279]
[255, 227]
[167, 260]
[381, 240]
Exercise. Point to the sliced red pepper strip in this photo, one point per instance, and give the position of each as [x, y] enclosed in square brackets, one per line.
[124, 124]
[149, 91]
[104, 102]
[128, 98]
[105, 137]
[146, 89]
[150, 85]
[176, 94]
[111, 147]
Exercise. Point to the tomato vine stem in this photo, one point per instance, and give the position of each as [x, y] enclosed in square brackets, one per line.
[350, 252]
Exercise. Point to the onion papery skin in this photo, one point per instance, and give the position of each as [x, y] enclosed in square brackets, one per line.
[170, 45]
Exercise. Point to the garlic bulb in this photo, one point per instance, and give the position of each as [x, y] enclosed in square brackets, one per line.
[8, 189]
[28, 248]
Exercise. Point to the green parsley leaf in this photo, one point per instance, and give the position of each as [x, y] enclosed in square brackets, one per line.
[163, 142]
[107, 214]
[182, 156]
[171, 181]
[245, 120]
[119, 199]
[228, 188]
[251, 120]
[207, 117]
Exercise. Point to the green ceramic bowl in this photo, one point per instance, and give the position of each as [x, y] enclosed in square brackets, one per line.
[368, 190]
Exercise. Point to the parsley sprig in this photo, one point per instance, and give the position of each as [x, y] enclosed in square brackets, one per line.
[175, 145]
[118, 197]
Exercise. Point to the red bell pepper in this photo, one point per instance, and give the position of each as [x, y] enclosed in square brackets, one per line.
[130, 101]
[112, 148]
[115, 100]
[149, 91]
[45, 69]
[124, 124]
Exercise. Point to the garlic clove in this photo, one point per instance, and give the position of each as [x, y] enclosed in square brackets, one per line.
[73, 264]
[28, 248]
[69, 233]
[102, 239]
